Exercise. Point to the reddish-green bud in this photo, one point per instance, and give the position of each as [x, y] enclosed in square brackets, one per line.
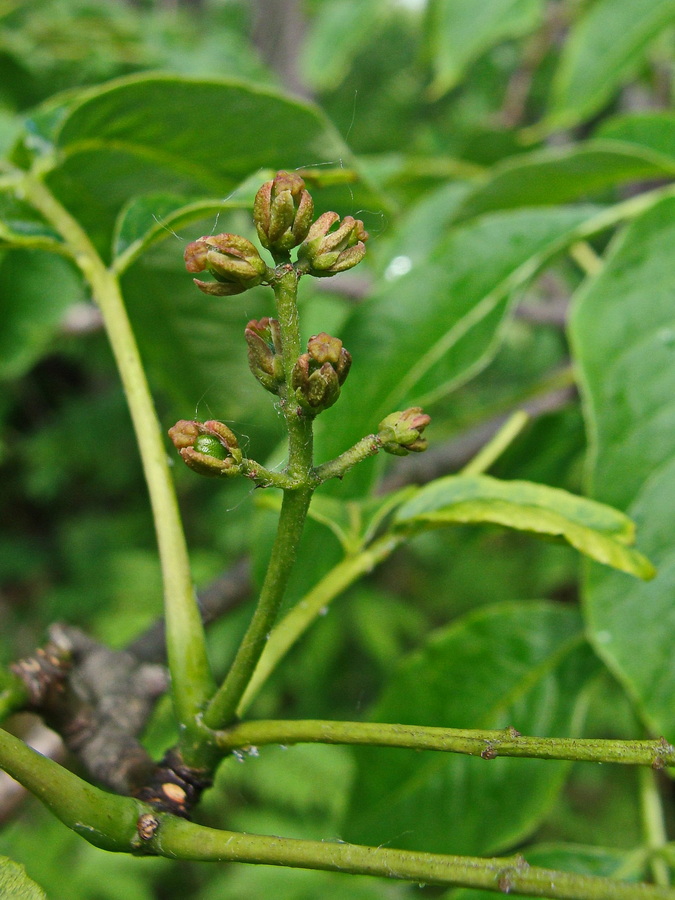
[283, 212]
[209, 448]
[401, 432]
[264, 352]
[319, 373]
[328, 250]
[232, 260]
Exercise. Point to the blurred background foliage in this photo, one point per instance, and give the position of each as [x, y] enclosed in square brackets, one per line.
[435, 100]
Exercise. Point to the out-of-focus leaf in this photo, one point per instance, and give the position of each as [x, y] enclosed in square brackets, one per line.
[592, 528]
[579, 858]
[602, 50]
[36, 288]
[654, 131]
[21, 225]
[623, 331]
[425, 332]
[548, 177]
[15, 884]
[336, 34]
[460, 30]
[519, 664]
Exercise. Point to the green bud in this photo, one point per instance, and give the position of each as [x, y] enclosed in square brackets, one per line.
[264, 352]
[209, 448]
[401, 432]
[327, 251]
[319, 373]
[283, 212]
[232, 260]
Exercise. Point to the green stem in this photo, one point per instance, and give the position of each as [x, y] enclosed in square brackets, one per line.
[223, 707]
[307, 610]
[486, 744]
[336, 468]
[653, 825]
[177, 838]
[111, 823]
[191, 679]
[491, 452]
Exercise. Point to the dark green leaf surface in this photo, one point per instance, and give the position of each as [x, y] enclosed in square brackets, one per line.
[623, 331]
[603, 48]
[519, 664]
[15, 884]
[114, 143]
[594, 529]
[460, 30]
[547, 177]
[36, 288]
[425, 332]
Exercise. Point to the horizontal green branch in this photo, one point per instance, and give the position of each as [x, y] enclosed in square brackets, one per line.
[179, 839]
[123, 824]
[486, 744]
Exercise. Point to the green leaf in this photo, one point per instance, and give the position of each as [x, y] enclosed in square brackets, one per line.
[192, 137]
[652, 131]
[519, 664]
[461, 30]
[336, 34]
[579, 858]
[36, 288]
[15, 884]
[601, 52]
[548, 177]
[21, 225]
[623, 332]
[592, 528]
[424, 333]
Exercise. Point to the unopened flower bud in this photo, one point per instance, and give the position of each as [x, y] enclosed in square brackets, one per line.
[319, 373]
[283, 212]
[232, 260]
[209, 448]
[327, 251]
[401, 432]
[264, 352]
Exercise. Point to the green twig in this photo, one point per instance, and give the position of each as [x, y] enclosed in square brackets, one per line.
[489, 454]
[191, 678]
[115, 823]
[486, 744]
[653, 825]
[307, 610]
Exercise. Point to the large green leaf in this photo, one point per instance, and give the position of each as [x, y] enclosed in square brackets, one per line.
[592, 528]
[15, 884]
[547, 177]
[600, 53]
[519, 664]
[623, 331]
[193, 137]
[425, 332]
[460, 30]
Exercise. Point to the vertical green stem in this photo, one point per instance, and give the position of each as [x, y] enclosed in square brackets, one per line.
[653, 825]
[223, 708]
[191, 678]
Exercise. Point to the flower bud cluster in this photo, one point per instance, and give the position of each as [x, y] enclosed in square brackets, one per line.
[319, 374]
[282, 212]
[209, 448]
[327, 250]
[232, 260]
[265, 352]
[401, 432]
